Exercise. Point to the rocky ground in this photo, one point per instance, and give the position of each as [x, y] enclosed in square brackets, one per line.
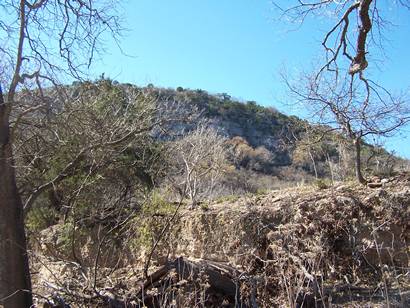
[316, 246]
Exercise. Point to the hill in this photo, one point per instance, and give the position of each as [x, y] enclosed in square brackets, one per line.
[149, 130]
[118, 180]
[276, 144]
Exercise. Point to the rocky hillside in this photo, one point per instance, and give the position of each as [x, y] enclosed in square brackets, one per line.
[340, 246]
[259, 126]
[265, 142]
[277, 142]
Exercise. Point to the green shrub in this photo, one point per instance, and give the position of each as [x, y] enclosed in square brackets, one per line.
[157, 205]
[322, 183]
[40, 218]
[227, 198]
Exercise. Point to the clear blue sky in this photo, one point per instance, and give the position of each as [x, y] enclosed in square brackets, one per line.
[236, 47]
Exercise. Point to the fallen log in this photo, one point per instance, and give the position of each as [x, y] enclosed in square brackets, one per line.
[219, 281]
[220, 277]
[157, 275]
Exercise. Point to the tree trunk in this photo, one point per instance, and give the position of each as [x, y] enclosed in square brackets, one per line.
[313, 163]
[358, 162]
[15, 285]
[329, 162]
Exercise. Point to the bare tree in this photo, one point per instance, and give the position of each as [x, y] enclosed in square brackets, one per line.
[339, 91]
[345, 107]
[42, 42]
[309, 148]
[199, 158]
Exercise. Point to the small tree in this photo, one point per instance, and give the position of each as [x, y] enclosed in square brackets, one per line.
[309, 148]
[199, 158]
[339, 91]
[346, 107]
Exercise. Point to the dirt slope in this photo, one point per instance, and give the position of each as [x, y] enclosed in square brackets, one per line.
[343, 246]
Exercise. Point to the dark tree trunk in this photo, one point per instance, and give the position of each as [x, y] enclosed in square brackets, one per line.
[15, 285]
[358, 162]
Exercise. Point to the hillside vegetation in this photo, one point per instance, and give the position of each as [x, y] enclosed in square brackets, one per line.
[118, 180]
[101, 126]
